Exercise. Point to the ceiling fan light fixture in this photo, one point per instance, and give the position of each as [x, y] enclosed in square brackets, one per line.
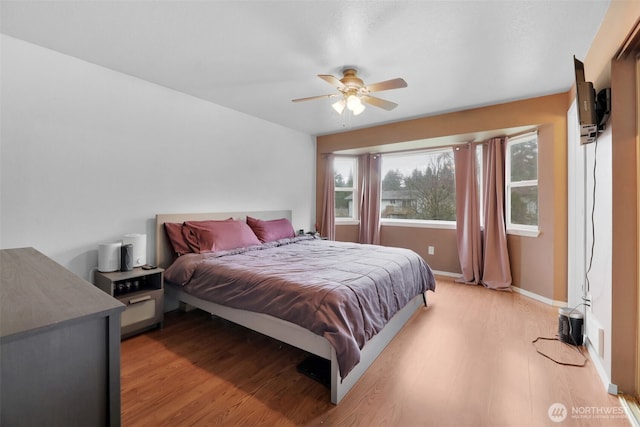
[354, 93]
[353, 102]
[339, 106]
[358, 108]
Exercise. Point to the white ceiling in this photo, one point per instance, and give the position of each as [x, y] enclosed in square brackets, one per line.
[256, 56]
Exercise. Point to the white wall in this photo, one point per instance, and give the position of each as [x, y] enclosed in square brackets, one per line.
[600, 275]
[583, 161]
[576, 210]
[89, 154]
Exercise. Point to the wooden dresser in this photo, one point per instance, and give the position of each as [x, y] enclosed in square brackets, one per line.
[59, 345]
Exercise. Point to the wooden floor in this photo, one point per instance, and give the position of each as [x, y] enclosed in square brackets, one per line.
[466, 360]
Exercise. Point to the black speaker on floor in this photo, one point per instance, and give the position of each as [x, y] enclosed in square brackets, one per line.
[570, 325]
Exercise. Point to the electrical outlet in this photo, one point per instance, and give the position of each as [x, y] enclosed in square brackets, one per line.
[595, 333]
[431, 250]
[601, 342]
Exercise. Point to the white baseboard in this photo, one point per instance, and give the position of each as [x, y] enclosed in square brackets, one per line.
[540, 298]
[446, 274]
[602, 373]
[593, 352]
[526, 293]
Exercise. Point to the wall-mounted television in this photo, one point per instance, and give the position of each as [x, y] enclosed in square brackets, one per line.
[593, 110]
[586, 105]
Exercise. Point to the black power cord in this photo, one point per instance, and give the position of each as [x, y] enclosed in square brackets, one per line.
[556, 338]
[593, 225]
[587, 288]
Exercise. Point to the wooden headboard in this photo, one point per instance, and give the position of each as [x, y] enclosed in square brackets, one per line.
[164, 253]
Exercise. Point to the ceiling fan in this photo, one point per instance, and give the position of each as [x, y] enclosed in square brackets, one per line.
[354, 93]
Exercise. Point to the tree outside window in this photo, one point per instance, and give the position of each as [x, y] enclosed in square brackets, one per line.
[522, 183]
[345, 176]
[419, 186]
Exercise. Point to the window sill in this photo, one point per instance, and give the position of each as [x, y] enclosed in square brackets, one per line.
[347, 222]
[523, 233]
[447, 225]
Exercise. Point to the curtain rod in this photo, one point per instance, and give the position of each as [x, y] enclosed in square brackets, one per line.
[438, 147]
[419, 150]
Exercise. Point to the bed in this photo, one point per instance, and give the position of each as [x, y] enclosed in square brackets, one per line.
[273, 287]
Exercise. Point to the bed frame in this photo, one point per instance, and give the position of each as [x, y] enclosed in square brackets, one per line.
[279, 329]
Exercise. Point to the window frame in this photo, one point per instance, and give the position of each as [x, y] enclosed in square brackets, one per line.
[418, 223]
[355, 214]
[515, 228]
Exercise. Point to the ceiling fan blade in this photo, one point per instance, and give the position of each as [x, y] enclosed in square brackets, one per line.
[378, 102]
[333, 81]
[386, 85]
[311, 98]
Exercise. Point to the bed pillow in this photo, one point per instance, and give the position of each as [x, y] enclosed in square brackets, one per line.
[209, 236]
[191, 236]
[176, 238]
[269, 231]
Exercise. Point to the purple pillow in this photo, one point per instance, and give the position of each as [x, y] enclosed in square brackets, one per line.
[176, 238]
[209, 236]
[269, 231]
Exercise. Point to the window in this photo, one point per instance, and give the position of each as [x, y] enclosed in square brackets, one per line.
[345, 173]
[522, 184]
[418, 186]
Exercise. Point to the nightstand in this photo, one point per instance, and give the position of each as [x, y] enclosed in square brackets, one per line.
[141, 291]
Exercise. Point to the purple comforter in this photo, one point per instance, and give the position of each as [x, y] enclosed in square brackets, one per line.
[345, 292]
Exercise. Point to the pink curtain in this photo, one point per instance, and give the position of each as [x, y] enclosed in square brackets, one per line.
[467, 214]
[496, 272]
[328, 220]
[483, 256]
[369, 173]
